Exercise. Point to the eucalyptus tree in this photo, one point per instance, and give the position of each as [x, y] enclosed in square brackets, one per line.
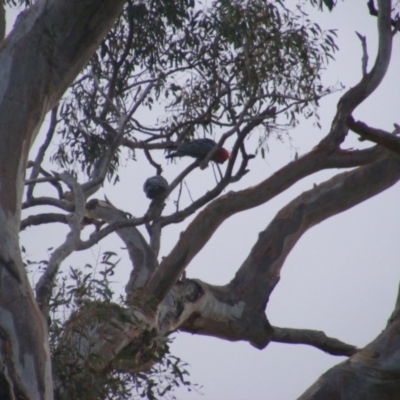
[123, 78]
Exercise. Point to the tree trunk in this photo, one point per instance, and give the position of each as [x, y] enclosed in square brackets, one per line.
[49, 45]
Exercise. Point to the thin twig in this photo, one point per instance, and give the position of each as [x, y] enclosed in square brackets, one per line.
[101, 166]
[179, 197]
[157, 166]
[112, 227]
[41, 153]
[188, 190]
[364, 60]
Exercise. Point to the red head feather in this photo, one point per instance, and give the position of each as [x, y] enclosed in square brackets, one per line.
[221, 156]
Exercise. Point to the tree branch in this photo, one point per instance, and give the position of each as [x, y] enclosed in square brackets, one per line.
[313, 338]
[373, 11]
[42, 150]
[48, 201]
[371, 373]
[196, 307]
[207, 221]
[236, 311]
[101, 167]
[40, 219]
[364, 61]
[369, 82]
[143, 258]
[379, 136]
[50, 43]
[44, 287]
[260, 272]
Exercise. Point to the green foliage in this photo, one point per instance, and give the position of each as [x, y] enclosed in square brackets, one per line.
[82, 297]
[18, 3]
[182, 71]
[329, 4]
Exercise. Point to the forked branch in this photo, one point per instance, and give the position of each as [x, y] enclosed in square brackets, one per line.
[46, 282]
[369, 82]
[143, 258]
[258, 275]
[42, 150]
[207, 221]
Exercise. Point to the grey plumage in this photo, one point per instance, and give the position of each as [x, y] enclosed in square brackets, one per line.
[155, 186]
[199, 148]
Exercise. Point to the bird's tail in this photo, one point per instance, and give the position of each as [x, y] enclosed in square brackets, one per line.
[172, 155]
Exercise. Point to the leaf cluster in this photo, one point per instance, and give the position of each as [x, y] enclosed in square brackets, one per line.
[193, 72]
[89, 288]
[18, 3]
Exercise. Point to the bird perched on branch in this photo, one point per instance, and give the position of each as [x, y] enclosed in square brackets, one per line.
[199, 148]
[155, 186]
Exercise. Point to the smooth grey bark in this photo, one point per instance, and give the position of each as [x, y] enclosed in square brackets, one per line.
[48, 46]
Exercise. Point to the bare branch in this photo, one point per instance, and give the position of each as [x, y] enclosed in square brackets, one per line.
[206, 222]
[228, 178]
[379, 136]
[41, 180]
[180, 178]
[230, 311]
[364, 61]
[54, 182]
[313, 338]
[207, 197]
[177, 201]
[143, 258]
[41, 219]
[260, 272]
[268, 112]
[357, 94]
[133, 145]
[101, 167]
[110, 228]
[144, 94]
[45, 284]
[152, 162]
[109, 102]
[40, 155]
[47, 201]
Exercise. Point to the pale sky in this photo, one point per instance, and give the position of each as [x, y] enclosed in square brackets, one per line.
[342, 276]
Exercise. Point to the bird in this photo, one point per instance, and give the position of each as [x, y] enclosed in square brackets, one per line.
[155, 186]
[199, 148]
